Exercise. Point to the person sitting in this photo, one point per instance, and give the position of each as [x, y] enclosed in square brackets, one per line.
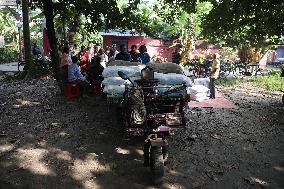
[176, 55]
[66, 58]
[75, 75]
[112, 52]
[103, 57]
[144, 56]
[123, 55]
[36, 51]
[84, 60]
[135, 54]
[95, 70]
[81, 52]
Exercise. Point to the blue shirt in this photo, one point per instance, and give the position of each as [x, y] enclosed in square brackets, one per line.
[74, 73]
[145, 58]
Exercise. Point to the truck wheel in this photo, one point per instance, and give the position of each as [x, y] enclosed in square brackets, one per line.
[157, 164]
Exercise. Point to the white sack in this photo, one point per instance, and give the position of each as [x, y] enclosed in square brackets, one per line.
[201, 99]
[202, 81]
[165, 67]
[122, 63]
[130, 71]
[172, 79]
[114, 81]
[197, 89]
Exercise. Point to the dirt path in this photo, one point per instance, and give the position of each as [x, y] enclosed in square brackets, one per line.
[48, 142]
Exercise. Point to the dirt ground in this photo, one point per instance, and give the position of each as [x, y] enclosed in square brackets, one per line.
[47, 142]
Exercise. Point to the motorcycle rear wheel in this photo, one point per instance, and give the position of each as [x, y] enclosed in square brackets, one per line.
[157, 164]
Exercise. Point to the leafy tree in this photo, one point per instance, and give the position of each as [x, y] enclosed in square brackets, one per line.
[8, 28]
[249, 22]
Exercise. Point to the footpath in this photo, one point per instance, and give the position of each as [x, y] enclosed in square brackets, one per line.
[10, 67]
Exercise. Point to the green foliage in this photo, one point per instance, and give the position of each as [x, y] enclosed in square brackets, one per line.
[246, 22]
[200, 56]
[202, 10]
[270, 82]
[7, 25]
[8, 54]
[228, 53]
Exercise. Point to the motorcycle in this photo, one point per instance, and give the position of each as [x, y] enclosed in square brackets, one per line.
[154, 112]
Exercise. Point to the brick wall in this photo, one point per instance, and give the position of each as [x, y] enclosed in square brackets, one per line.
[155, 46]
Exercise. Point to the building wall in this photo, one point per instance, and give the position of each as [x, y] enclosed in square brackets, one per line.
[157, 47]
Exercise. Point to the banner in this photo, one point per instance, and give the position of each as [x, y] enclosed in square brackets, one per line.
[8, 3]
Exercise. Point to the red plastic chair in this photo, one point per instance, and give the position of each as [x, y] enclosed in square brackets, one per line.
[98, 88]
[72, 90]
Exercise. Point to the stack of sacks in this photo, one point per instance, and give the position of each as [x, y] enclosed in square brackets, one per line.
[122, 63]
[113, 84]
[198, 93]
[166, 67]
[202, 81]
[130, 71]
[114, 81]
[172, 79]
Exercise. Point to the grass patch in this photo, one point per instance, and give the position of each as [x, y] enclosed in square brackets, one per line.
[270, 82]
[229, 82]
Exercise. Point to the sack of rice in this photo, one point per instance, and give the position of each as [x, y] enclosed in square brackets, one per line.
[114, 81]
[122, 63]
[197, 89]
[172, 79]
[130, 71]
[202, 81]
[166, 67]
[198, 93]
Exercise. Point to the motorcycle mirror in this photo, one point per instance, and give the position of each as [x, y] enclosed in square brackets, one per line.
[171, 88]
[122, 75]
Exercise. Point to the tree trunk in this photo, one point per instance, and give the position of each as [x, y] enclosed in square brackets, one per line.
[26, 35]
[49, 15]
[189, 41]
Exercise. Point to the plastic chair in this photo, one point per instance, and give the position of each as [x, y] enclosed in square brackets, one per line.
[98, 88]
[72, 90]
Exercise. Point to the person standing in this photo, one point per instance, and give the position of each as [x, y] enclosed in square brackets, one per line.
[215, 69]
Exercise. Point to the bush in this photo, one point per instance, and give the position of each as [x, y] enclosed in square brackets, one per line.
[7, 55]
